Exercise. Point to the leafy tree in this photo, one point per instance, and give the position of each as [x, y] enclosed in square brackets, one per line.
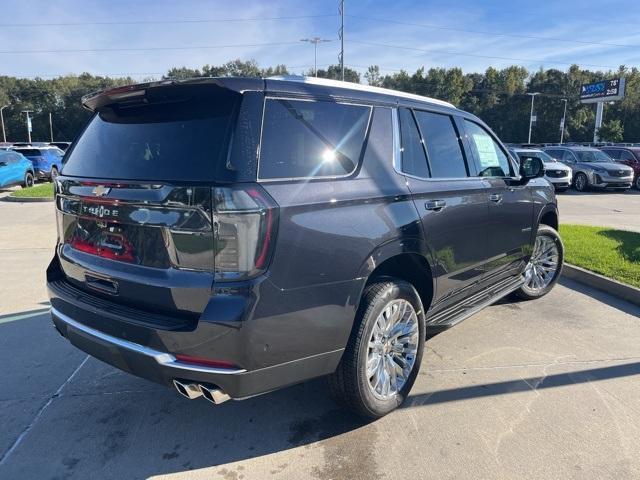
[373, 76]
[611, 131]
[334, 72]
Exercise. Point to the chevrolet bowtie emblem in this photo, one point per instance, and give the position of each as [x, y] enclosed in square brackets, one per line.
[101, 191]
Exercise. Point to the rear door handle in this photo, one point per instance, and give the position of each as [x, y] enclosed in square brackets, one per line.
[435, 205]
[495, 197]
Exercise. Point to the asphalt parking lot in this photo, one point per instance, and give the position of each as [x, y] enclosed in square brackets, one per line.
[611, 209]
[546, 389]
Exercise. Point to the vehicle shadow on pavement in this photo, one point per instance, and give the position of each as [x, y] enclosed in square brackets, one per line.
[76, 422]
[524, 384]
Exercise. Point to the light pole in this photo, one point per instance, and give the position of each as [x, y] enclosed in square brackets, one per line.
[4, 135]
[564, 117]
[28, 123]
[315, 41]
[50, 127]
[533, 97]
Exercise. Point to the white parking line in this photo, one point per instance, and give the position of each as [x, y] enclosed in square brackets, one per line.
[13, 318]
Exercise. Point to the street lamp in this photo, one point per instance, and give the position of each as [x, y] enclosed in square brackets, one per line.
[315, 41]
[4, 135]
[533, 96]
[564, 117]
[28, 123]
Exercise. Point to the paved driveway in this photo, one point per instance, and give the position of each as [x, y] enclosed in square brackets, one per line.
[616, 210]
[546, 389]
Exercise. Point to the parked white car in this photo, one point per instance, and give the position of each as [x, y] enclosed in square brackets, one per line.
[558, 174]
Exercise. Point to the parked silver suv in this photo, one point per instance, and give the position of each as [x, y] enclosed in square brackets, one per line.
[592, 168]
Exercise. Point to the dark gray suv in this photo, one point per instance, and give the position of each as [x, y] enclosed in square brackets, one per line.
[233, 236]
[592, 168]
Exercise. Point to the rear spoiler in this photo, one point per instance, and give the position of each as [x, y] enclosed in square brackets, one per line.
[96, 100]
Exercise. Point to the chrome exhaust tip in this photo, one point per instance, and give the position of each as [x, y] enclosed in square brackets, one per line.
[214, 394]
[189, 390]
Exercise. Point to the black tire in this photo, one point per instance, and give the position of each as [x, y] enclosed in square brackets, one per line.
[527, 293]
[54, 173]
[581, 185]
[28, 180]
[349, 385]
[561, 189]
[638, 182]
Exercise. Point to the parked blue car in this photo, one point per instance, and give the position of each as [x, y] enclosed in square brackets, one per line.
[15, 169]
[46, 161]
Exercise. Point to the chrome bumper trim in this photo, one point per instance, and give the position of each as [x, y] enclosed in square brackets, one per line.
[162, 358]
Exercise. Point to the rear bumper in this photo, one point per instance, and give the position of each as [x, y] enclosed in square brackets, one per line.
[41, 174]
[162, 367]
[270, 350]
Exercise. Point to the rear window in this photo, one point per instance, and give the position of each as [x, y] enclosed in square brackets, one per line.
[302, 139]
[30, 152]
[180, 135]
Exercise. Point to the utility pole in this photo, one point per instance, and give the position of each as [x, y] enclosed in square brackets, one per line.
[341, 35]
[599, 115]
[4, 135]
[28, 123]
[533, 96]
[562, 123]
[315, 41]
[50, 127]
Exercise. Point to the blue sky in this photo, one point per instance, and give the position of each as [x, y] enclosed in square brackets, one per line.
[394, 35]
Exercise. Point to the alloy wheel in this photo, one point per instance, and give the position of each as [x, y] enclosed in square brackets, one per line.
[543, 265]
[581, 182]
[392, 350]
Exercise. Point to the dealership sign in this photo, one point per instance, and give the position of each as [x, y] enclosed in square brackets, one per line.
[604, 91]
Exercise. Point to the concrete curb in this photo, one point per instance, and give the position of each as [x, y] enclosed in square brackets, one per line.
[600, 282]
[9, 198]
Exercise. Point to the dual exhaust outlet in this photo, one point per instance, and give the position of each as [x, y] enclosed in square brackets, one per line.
[194, 390]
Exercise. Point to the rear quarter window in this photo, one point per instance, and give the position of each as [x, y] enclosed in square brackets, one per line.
[307, 139]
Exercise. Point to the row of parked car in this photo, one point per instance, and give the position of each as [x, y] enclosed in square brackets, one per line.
[610, 167]
[25, 163]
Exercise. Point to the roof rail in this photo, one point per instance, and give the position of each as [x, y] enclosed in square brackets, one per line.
[327, 82]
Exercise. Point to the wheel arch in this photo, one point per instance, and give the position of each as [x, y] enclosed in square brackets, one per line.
[407, 260]
[549, 216]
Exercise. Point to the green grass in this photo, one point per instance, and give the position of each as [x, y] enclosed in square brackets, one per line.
[41, 190]
[609, 252]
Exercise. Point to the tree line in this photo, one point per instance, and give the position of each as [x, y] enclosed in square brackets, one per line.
[498, 96]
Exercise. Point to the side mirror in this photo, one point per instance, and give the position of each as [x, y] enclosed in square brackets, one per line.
[531, 167]
[3, 164]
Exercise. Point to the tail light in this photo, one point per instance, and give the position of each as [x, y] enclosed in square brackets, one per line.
[245, 224]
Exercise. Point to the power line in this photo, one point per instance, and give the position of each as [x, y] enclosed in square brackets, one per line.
[148, 49]
[497, 34]
[164, 22]
[129, 74]
[513, 59]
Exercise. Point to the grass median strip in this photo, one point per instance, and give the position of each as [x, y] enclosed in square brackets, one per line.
[43, 190]
[609, 252]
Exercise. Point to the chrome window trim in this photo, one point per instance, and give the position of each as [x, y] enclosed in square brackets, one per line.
[161, 358]
[397, 154]
[325, 177]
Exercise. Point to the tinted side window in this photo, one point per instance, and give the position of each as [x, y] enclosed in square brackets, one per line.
[627, 156]
[615, 154]
[568, 156]
[443, 148]
[557, 154]
[311, 139]
[414, 161]
[492, 161]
